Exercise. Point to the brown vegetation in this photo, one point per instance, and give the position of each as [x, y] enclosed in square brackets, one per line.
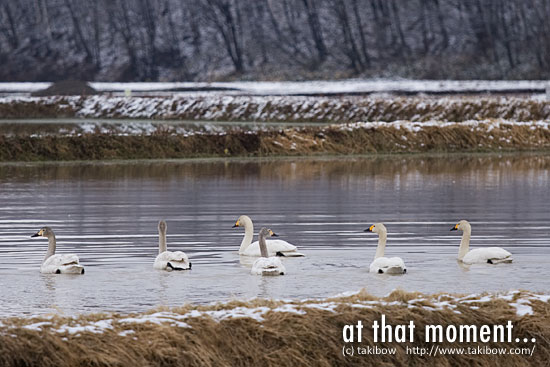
[311, 335]
[337, 139]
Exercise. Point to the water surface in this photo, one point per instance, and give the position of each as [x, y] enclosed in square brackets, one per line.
[107, 213]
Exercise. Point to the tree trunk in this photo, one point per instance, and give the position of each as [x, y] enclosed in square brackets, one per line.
[315, 28]
[11, 30]
[78, 30]
[364, 49]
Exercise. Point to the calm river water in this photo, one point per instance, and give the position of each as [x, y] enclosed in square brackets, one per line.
[107, 213]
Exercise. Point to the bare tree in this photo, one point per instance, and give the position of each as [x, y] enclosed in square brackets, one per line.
[195, 39]
[224, 14]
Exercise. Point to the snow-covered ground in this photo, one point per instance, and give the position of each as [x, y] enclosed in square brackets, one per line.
[279, 108]
[350, 86]
[520, 304]
[406, 129]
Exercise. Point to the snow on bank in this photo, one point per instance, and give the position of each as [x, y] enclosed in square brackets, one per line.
[311, 87]
[278, 108]
[520, 303]
[187, 129]
[411, 126]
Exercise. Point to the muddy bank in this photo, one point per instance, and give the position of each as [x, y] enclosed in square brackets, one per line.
[161, 141]
[283, 333]
[279, 108]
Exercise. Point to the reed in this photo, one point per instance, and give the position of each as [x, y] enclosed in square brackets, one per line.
[273, 333]
[317, 140]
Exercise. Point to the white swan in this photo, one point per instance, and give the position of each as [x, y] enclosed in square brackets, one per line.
[169, 260]
[57, 264]
[488, 255]
[274, 247]
[266, 265]
[381, 264]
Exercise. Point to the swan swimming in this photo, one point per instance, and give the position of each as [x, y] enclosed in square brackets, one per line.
[381, 264]
[274, 247]
[488, 255]
[266, 265]
[57, 264]
[169, 260]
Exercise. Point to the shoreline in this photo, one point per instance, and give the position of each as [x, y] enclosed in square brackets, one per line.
[231, 332]
[283, 158]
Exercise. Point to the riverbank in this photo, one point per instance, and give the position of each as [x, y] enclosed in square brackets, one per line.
[276, 332]
[223, 107]
[107, 141]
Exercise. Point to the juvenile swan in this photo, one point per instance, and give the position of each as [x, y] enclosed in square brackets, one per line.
[381, 264]
[274, 247]
[168, 260]
[489, 255]
[57, 264]
[266, 265]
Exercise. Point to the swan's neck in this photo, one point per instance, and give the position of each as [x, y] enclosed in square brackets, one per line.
[51, 247]
[381, 245]
[162, 242]
[464, 244]
[248, 235]
[263, 247]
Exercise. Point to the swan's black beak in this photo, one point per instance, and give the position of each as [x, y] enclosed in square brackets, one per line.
[273, 234]
[234, 226]
[368, 230]
[35, 235]
[453, 229]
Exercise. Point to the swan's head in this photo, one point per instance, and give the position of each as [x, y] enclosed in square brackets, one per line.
[43, 232]
[266, 232]
[243, 221]
[463, 225]
[377, 228]
[162, 226]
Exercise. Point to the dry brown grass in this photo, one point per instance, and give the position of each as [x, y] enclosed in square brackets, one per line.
[280, 339]
[290, 142]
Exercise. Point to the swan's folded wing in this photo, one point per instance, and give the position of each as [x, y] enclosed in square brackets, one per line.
[267, 264]
[482, 255]
[172, 256]
[177, 259]
[498, 252]
[61, 260]
[385, 263]
[273, 246]
[179, 256]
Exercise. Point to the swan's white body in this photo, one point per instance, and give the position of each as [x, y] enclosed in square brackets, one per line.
[178, 260]
[274, 247]
[487, 255]
[57, 264]
[266, 265]
[169, 260]
[483, 255]
[388, 265]
[381, 264]
[62, 264]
